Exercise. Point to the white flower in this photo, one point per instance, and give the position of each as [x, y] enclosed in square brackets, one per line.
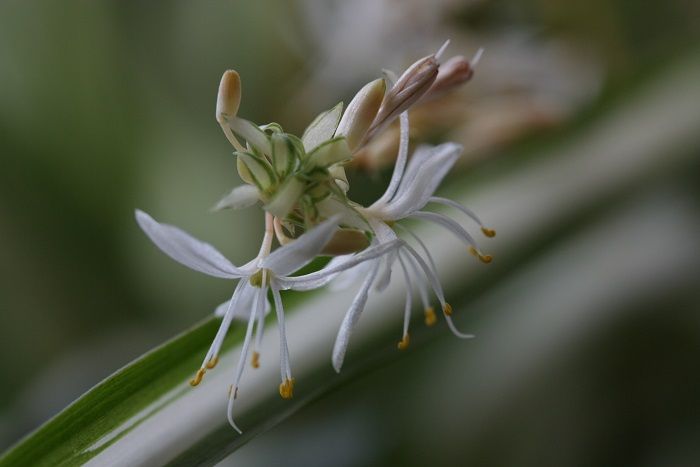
[410, 189]
[269, 270]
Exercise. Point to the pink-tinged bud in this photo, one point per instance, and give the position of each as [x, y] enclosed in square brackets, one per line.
[410, 87]
[452, 74]
[361, 113]
[229, 98]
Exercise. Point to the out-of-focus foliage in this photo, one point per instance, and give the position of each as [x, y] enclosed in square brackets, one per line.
[107, 106]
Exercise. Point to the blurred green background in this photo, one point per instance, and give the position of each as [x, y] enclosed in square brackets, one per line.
[107, 106]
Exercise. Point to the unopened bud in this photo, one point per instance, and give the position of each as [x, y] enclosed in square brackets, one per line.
[361, 112]
[229, 97]
[346, 241]
[455, 72]
[410, 87]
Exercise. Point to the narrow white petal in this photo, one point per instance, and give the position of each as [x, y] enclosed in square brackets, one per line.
[351, 318]
[400, 165]
[436, 155]
[240, 197]
[417, 189]
[301, 251]
[319, 278]
[187, 250]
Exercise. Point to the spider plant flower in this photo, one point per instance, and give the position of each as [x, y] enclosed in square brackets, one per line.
[269, 271]
[410, 189]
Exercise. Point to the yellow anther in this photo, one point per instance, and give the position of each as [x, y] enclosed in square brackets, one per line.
[212, 363]
[403, 344]
[447, 308]
[430, 317]
[255, 361]
[287, 388]
[198, 377]
[488, 232]
[482, 257]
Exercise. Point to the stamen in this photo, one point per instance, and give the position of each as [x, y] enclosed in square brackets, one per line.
[198, 377]
[285, 370]
[447, 223]
[243, 357]
[471, 214]
[255, 361]
[456, 331]
[403, 343]
[430, 317]
[212, 354]
[429, 274]
[447, 309]
[287, 388]
[486, 259]
[408, 305]
[212, 363]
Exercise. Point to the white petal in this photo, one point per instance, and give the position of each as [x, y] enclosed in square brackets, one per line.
[318, 279]
[400, 165]
[240, 197]
[186, 249]
[301, 251]
[351, 318]
[421, 183]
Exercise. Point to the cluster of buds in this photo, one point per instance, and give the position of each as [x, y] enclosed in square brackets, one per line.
[302, 187]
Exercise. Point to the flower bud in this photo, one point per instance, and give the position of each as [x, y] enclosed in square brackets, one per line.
[361, 112]
[229, 98]
[455, 72]
[346, 241]
[410, 87]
